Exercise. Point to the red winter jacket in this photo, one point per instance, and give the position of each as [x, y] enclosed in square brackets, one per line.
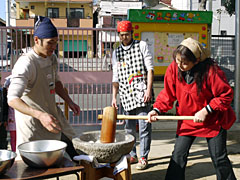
[215, 91]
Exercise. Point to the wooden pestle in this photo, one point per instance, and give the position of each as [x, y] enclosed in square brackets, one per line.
[110, 117]
[109, 122]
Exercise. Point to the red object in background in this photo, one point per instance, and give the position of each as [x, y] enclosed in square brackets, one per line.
[204, 36]
[52, 91]
[136, 35]
[181, 18]
[160, 58]
[137, 127]
[136, 27]
[203, 28]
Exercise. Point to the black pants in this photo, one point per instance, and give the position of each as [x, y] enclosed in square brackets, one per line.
[70, 149]
[3, 137]
[218, 152]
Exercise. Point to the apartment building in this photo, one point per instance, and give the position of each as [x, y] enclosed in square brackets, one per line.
[71, 14]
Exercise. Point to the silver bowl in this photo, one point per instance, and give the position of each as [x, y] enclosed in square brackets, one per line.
[42, 153]
[7, 159]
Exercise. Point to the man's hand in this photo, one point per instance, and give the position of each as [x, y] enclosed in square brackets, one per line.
[147, 95]
[115, 86]
[49, 122]
[75, 108]
[200, 116]
[151, 117]
[114, 103]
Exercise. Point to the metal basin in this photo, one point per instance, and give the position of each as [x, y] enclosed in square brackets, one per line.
[42, 153]
[89, 143]
[7, 159]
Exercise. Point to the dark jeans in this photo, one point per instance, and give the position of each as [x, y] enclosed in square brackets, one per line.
[218, 152]
[70, 149]
[3, 137]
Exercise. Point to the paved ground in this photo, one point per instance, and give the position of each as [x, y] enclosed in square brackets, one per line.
[199, 166]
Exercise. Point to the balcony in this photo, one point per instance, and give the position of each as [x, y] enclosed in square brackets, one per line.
[25, 22]
[62, 23]
[59, 22]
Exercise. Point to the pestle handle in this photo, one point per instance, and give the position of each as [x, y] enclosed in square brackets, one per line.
[131, 117]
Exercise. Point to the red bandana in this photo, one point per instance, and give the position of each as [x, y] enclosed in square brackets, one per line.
[124, 26]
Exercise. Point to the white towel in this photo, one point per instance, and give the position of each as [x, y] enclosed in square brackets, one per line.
[83, 157]
[121, 165]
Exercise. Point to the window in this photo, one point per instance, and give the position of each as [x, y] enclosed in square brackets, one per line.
[75, 13]
[223, 32]
[117, 19]
[53, 12]
[32, 7]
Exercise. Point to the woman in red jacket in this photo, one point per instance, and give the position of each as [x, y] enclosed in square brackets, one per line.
[201, 90]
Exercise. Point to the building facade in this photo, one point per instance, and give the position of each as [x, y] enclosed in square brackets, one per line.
[64, 14]
[3, 41]
[110, 12]
[223, 23]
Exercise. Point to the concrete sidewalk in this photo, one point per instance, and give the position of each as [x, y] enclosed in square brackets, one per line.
[199, 165]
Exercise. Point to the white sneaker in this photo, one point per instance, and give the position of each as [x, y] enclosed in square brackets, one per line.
[142, 163]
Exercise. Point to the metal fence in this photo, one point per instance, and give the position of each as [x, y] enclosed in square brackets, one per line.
[85, 64]
[223, 51]
[84, 57]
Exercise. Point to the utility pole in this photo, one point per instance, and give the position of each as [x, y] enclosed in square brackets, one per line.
[7, 12]
[46, 5]
[219, 12]
[237, 71]
[209, 5]
[68, 10]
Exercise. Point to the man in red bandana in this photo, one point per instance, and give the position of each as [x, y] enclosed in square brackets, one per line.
[133, 78]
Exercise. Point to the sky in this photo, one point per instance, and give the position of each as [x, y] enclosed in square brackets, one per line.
[3, 9]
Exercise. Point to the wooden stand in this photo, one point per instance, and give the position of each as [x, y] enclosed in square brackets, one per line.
[90, 173]
[21, 171]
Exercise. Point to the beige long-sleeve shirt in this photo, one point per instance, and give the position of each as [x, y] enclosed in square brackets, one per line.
[24, 75]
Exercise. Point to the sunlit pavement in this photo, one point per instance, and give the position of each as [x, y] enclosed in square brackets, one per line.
[199, 165]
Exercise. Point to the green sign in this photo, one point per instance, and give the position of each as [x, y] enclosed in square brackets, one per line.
[75, 45]
[169, 16]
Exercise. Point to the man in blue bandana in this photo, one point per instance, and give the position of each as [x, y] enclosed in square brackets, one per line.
[32, 91]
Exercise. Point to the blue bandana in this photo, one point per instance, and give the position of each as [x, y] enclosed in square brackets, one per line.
[44, 28]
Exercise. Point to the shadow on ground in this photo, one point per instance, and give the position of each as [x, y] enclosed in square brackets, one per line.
[205, 168]
[199, 162]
